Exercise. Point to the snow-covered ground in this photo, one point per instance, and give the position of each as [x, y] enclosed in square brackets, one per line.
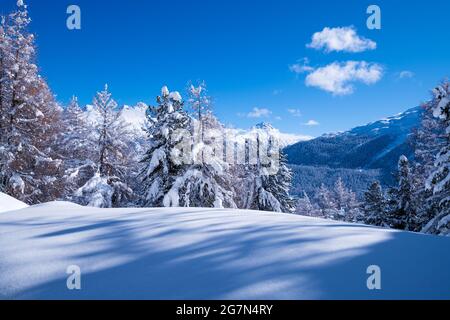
[194, 253]
[8, 203]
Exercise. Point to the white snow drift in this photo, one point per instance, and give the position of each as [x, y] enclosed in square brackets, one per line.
[194, 253]
[8, 203]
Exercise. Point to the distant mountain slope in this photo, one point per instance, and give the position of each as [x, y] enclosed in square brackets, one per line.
[377, 145]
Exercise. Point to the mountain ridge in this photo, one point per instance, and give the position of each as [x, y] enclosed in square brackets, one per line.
[376, 145]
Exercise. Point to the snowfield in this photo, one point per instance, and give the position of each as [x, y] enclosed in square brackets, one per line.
[190, 253]
[8, 203]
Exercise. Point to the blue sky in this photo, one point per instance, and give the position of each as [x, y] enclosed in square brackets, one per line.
[244, 50]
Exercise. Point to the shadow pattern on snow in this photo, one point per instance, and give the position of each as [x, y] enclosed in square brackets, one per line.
[221, 254]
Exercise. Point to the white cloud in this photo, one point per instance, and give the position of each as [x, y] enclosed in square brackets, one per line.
[259, 113]
[301, 66]
[340, 39]
[295, 112]
[311, 123]
[406, 74]
[338, 77]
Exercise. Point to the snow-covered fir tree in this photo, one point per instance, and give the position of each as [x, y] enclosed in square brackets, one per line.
[403, 214]
[427, 140]
[399, 206]
[439, 180]
[168, 127]
[206, 181]
[266, 185]
[374, 206]
[108, 187]
[279, 184]
[29, 117]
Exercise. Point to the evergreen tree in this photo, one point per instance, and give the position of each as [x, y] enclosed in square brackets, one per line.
[279, 184]
[439, 180]
[268, 184]
[207, 181]
[404, 213]
[427, 140]
[374, 206]
[168, 126]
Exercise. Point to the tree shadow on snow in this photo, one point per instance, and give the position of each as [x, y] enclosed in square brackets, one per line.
[193, 259]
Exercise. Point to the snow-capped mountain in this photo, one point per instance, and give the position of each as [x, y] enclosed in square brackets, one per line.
[266, 129]
[377, 145]
[132, 115]
[285, 139]
[135, 116]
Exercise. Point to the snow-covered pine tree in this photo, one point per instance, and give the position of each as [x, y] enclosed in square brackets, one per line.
[427, 140]
[279, 184]
[267, 185]
[403, 214]
[108, 187]
[29, 117]
[374, 206]
[168, 126]
[207, 181]
[439, 180]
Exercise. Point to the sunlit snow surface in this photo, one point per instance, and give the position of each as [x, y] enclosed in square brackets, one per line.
[8, 203]
[210, 254]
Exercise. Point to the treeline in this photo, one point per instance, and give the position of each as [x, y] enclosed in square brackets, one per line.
[310, 178]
